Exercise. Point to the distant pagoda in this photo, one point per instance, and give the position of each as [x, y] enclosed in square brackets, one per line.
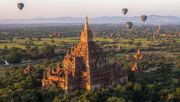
[136, 68]
[138, 56]
[29, 69]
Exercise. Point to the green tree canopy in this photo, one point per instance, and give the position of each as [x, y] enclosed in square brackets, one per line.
[14, 57]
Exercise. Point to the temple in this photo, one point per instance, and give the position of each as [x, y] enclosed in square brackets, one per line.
[138, 56]
[86, 67]
[136, 68]
[29, 69]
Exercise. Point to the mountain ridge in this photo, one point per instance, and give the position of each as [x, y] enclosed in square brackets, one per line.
[152, 19]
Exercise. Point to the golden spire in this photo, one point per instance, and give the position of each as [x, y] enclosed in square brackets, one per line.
[86, 24]
[86, 34]
[136, 64]
[135, 67]
[139, 52]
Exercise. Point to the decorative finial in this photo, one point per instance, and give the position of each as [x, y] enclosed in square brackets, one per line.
[86, 24]
[139, 52]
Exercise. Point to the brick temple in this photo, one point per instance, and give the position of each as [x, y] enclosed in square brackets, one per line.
[138, 57]
[29, 69]
[86, 67]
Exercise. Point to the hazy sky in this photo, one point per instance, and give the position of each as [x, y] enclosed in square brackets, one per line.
[91, 8]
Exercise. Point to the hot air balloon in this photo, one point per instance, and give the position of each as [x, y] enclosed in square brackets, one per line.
[124, 11]
[143, 18]
[20, 6]
[129, 25]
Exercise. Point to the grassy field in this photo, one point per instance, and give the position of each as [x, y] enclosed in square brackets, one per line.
[69, 42]
[163, 53]
[20, 43]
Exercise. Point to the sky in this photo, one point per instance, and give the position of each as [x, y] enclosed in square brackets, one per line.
[90, 8]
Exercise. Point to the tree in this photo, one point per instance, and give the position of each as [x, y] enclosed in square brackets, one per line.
[30, 39]
[11, 40]
[47, 51]
[39, 39]
[7, 74]
[6, 47]
[178, 93]
[34, 51]
[137, 87]
[14, 57]
[116, 99]
[138, 44]
[178, 62]
[1, 60]
[27, 47]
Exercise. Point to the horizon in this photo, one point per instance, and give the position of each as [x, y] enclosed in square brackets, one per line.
[80, 8]
[82, 17]
[152, 19]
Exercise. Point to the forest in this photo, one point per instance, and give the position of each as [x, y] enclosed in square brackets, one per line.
[44, 47]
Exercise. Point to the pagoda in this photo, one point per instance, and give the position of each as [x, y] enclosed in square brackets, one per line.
[138, 56]
[136, 68]
[85, 66]
[29, 69]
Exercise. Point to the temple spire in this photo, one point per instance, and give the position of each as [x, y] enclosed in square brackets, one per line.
[139, 52]
[86, 35]
[86, 24]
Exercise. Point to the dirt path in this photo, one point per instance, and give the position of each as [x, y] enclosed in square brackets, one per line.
[26, 63]
[151, 69]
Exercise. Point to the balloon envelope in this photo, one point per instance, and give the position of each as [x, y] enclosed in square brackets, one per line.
[20, 6]
[143, 18]
[129, 25]
[124, 11]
